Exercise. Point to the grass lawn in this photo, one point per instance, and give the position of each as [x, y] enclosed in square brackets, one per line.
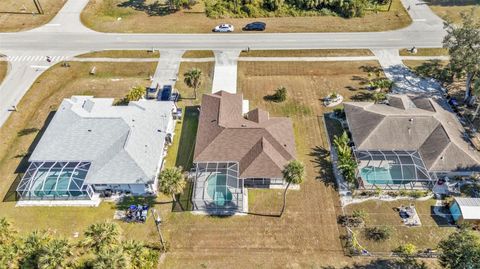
[413, 64]
[453, 9]
[381, 213]
[16, 15]
[104, 16]
[198, 54]
[121, 54]
[425, 52]
[3, 70]
[307, 53]
[111, 80]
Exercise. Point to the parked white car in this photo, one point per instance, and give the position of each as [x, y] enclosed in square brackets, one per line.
[224, 28]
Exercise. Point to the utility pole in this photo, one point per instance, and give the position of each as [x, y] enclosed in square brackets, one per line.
[158, 221]
[38, 6]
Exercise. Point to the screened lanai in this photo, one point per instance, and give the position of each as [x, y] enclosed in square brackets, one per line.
[55, 180]
[217, 188]
[392, 169]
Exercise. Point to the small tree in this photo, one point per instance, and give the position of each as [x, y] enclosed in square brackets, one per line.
[294, 172]
[460, 250]
[135, 94]
[381, 233]
[55, 254]
[407, 250]
[193, 79]
[463, 44]
[138, 255]
[280, 95]
[171, 181]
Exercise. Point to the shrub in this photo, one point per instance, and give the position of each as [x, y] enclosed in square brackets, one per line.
[381, 233]
[350, 221]
[359, 213]
[406, 250]
[280, 95]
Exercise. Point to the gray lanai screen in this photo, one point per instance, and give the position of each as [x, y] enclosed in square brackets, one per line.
[392, 168]
[55, 180]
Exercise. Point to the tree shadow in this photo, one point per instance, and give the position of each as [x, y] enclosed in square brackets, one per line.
[11, 194]
[323, 164]
[188, 136]
[402, 263]
[362, 97]
[154, 9]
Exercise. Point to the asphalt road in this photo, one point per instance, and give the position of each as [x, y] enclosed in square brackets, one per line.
[65, 36]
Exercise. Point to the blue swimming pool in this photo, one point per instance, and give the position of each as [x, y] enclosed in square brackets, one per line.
[382, 175]
[217, 189]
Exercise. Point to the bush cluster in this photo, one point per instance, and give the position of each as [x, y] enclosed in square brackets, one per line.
[279, 8]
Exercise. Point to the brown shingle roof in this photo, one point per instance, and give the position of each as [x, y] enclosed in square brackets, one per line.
[413, 123]
[262, 145]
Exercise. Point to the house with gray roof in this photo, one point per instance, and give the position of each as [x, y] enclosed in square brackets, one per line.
[91, 146]
[235, 150]
[409, 142]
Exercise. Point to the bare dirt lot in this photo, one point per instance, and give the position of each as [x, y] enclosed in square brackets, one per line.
[20, 15]
[108, 16]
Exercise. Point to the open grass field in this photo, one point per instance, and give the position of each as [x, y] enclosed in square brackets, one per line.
[198, 54]
[16, 15]
[453, 9]
[307, 53]
[428, 235]
[425, 52]
[108, 16]
[3, 70]
[121, 54]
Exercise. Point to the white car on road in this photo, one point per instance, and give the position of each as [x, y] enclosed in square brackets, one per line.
[224, 28]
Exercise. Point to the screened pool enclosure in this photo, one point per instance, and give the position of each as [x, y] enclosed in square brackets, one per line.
[392, 170]
[217, 188]
[55, 180]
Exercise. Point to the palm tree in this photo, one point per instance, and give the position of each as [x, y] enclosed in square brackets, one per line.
[101, 235]
[294, 172]
[55, 254]
[33, 245]
[135, 94]
[193, 79]
[138, 255]
[9, 246]
[110, 258]
[378, 96]
[171, 181]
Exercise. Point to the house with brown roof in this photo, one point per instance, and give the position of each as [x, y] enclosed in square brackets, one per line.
[235, 150]
[409, 142]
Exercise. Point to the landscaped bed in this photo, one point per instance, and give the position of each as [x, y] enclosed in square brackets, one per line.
[16, 15]
[108, 16]
[381, 213]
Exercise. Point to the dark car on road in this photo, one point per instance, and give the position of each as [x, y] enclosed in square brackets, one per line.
[255, 26]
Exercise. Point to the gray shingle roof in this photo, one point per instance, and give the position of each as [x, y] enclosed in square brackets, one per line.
[125, 144]
[413, 123]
